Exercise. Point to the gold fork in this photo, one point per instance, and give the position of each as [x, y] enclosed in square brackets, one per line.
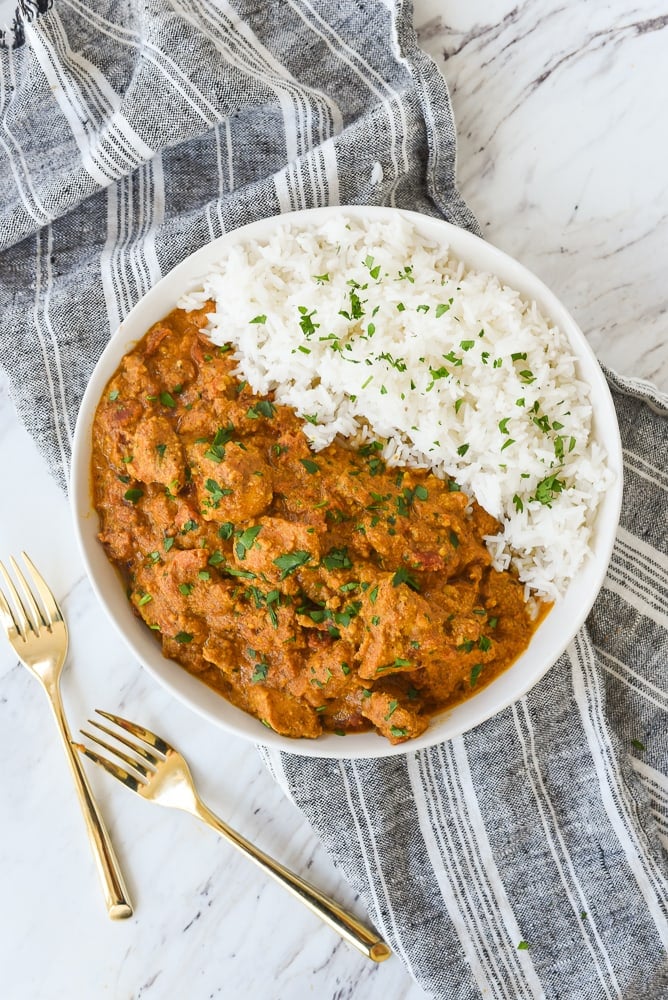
[36, 629]
[162, 775]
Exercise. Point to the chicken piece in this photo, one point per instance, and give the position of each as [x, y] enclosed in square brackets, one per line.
[157, 454]
[393, 716]
[232, 485]
[401, 634]
[283, 713]
[326, 673]
[279, 550]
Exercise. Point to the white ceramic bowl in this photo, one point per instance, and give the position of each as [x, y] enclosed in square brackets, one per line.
[552, 636]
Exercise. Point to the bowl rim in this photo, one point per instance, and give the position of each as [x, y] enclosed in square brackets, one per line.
[556, 630]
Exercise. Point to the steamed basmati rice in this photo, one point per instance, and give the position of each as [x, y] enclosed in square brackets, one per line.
[368, 330]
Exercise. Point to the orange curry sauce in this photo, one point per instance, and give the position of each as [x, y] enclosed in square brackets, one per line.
[317, 591]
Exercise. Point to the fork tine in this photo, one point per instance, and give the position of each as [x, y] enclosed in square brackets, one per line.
[144, 771]
[118, 772]
[18, 613]
[8, 618]
[35, 615]
[140, 751]
[143, 734]
[49, 603]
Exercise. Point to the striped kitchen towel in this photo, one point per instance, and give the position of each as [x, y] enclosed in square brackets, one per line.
[526, 858]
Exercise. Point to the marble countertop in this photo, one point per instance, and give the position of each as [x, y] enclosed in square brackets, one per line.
[563, 140]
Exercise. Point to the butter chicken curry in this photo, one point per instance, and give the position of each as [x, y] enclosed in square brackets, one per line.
[318, 592]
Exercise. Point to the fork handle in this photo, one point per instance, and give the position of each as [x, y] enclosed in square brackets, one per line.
[352, 930]
[116, 894]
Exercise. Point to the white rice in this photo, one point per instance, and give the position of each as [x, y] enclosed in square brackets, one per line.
[428, 367]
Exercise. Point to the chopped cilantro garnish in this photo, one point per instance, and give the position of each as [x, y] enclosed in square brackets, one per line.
[310, 466]
[548, 489]
[337, 559]
[263, 408]
[403, 576]
[290, 561]
[260, 672]
[246, 540]
[217, 492]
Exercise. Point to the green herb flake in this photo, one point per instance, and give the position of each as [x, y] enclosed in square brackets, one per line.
[113, 395]
[397, 731]
[391, 709]
[403, 576]
[133, 495]
[523, 946]
[144, 599]
[337, 559]
[258, 319]
[183, 637]
[463, 448]
[167, 400]
[548, 489]
[290, 561]
[475, 673]
[310, 466]
[246, 540]
[263, 408]
[638, 745]
[260, 673]
[217, 491]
